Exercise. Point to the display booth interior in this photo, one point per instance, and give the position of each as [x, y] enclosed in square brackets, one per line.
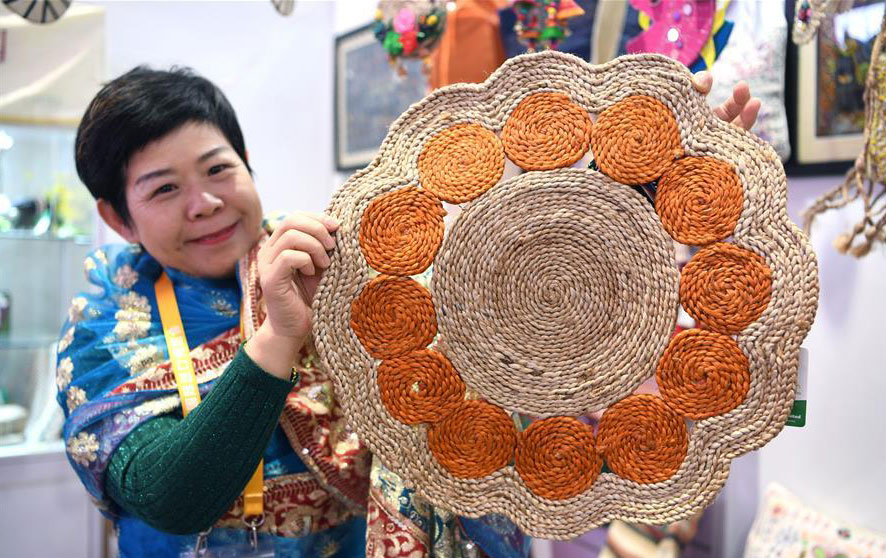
[561, 278]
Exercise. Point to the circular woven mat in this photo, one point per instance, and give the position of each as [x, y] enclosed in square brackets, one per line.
[466, 350]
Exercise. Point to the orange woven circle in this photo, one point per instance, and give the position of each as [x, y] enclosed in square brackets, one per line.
[635, 140]
[422, 386]
[643, 439]
[393, 316]
[401, 231]
[702, 374]
[461, 162]
[475, 440]
[725, 287]
[547, 131]
[556, 457]
[699, 200]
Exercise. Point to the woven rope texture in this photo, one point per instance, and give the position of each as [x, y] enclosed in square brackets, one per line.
[468, 352]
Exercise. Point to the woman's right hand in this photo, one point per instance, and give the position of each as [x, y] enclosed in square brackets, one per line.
[290, 265]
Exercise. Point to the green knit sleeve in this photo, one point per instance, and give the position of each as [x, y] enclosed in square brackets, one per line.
[181, 475]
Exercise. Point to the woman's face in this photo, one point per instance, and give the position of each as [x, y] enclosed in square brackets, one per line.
[192, 202]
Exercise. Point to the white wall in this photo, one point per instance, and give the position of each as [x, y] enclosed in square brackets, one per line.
[277, 72]
[837, 463]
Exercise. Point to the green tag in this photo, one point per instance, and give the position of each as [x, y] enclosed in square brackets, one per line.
[798, 410]
[798, 414]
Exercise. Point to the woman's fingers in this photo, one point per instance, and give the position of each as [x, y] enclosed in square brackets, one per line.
[749, 114]
[291, 261]
[703, 81]
[739, 109]
[302, 242]
[733, 106]
[317, 225]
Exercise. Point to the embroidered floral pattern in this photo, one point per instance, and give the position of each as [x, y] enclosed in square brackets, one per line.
[63, 373]
[66, 340]
[142, 358]
[100, 256]
[210, 360]
[133, 318]
[223, 308]
[134, 302]
[82, 448]
[125, 277]
[158, 406]
[88, 265]
[295, 506]
[315, 425]
[75, 312]
[388, 536]
[75, 398]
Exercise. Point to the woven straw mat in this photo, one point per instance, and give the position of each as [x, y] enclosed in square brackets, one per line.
[467, 350]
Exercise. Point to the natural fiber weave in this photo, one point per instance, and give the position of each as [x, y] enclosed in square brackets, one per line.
[557, 458]
[402, 231]
[393, 316]
[725, 287]
[475, 440]
[554, 293]
[635, 140]
[865, 182]
[642, 439]
[572, 262]
[703, 374]
[818, 10]
[420, 387]
[547, 131]
[461, 162]
[699, 200]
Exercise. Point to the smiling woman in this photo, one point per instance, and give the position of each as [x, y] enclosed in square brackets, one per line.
[191, 202]
[164, 157]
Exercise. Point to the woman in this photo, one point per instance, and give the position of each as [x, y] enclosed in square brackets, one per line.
[163, 155]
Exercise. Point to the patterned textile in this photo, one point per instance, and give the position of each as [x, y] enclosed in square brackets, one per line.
[785, 528]
[114, 374]
[748, 42]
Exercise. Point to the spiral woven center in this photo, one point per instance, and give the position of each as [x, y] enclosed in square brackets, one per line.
[555, 292]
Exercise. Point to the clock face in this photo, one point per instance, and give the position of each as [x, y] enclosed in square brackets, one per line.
[38, 11]
[285, 7]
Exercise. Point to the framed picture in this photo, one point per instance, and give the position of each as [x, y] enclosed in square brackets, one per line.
[827, 89]
[369, 96]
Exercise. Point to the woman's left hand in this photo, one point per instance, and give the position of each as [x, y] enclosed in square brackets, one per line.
[740, 109]
[290, 265]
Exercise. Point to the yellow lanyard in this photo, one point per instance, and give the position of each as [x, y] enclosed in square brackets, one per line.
[186, 380]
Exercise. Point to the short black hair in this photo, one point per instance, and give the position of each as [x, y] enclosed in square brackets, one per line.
[137, 108]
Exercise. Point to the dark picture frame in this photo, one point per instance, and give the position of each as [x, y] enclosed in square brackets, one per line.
[818, 147]
[369, 96]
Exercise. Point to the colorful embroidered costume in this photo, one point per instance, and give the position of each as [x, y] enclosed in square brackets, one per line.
[114, 376]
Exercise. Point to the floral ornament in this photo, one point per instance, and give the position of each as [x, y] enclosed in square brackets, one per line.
[408, 31]
[75, 398]
[223, 307]
[404, 21]
[133, 318]
[143, 358]
[541, 24]
[75, 312]
[125, 277]
[82, 448]
[64, 373]
[66, 340]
